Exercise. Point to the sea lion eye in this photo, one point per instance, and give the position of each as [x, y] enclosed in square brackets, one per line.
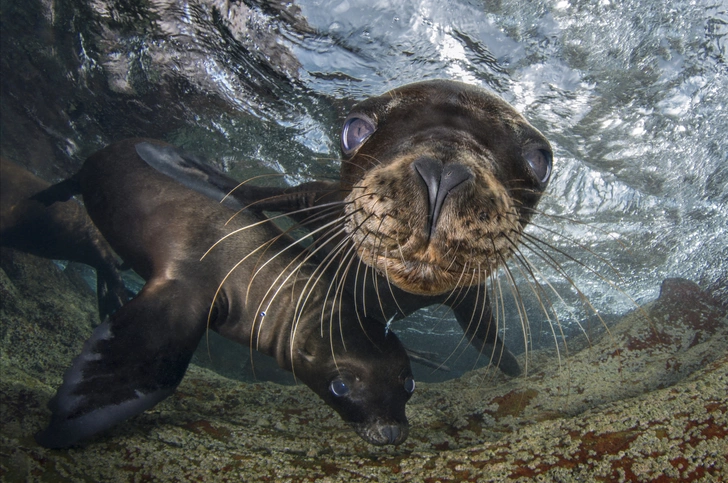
[409, 384]
[356, 130]
[540, 162]
[338, 387]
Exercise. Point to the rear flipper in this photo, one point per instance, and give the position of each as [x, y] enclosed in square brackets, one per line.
[131, 362]
[62, 191]
[91, 248]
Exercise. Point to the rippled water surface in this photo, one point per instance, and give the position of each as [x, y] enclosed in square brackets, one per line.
[631, 94]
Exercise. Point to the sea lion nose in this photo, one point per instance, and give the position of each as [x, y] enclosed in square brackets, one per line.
[391, 432]
[441, 180]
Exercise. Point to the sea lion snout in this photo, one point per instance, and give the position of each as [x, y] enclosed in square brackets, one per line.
[392, 433]
[440, 181]
[382, 434]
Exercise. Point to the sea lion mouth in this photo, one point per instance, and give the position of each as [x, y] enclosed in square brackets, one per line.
[381, 433]
[420, 277]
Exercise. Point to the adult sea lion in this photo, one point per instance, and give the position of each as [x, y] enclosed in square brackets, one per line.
[62, 231]
[438, 181]
[239, 288]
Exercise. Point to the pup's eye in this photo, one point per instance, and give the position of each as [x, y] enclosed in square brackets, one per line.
[356, 130]
[338, 387]
[409, 384]
[540, 162]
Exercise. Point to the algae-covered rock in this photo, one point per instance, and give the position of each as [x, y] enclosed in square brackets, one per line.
[646, 402]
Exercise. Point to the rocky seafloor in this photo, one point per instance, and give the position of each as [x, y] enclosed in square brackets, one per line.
[646, 402]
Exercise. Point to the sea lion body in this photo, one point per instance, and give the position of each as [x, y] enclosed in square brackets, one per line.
[62, 231]
[163, 230]
[438, 181]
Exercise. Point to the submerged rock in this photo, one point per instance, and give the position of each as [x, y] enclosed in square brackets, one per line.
[647, 401]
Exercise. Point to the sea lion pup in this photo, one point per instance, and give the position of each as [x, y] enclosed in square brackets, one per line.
[62, 231]
[438, 181]
[238, 288]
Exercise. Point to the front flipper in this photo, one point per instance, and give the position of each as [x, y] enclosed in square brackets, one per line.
[474, 315]
[132, 361]
[427, 359]
[110, 291]
[190, 170]
[196, 174]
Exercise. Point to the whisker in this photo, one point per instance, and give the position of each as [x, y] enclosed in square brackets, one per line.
[268, 175]
[497, 319]
[333, 253]
[318, 273]
[391, 291]
[375, 278]
[256, 224]
[463, 337]
[574, 242]
[537, 247]
[500, 304]
[458, 290]
[332, 205]
[296, 242]
[301, 259]
[307, 255]
[348, 258]
[535, 274]
[522, 312]
[574, 221]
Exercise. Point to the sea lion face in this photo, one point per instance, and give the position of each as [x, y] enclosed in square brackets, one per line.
[443, 177]
[368, 381]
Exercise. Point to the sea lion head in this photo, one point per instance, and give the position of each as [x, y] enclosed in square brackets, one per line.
[442, 177]
[368, 381]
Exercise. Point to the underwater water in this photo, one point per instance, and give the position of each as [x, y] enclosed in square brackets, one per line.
[632, 96]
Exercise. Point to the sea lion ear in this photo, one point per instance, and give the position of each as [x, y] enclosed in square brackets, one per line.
[132, 361]
[307, 350]
[306, 355]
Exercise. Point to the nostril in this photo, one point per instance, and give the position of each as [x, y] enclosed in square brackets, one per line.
[453, 176]
[430, 170]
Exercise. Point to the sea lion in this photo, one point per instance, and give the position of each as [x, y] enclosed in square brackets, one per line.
[239, 288]
[438, 181]
[62, 231]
